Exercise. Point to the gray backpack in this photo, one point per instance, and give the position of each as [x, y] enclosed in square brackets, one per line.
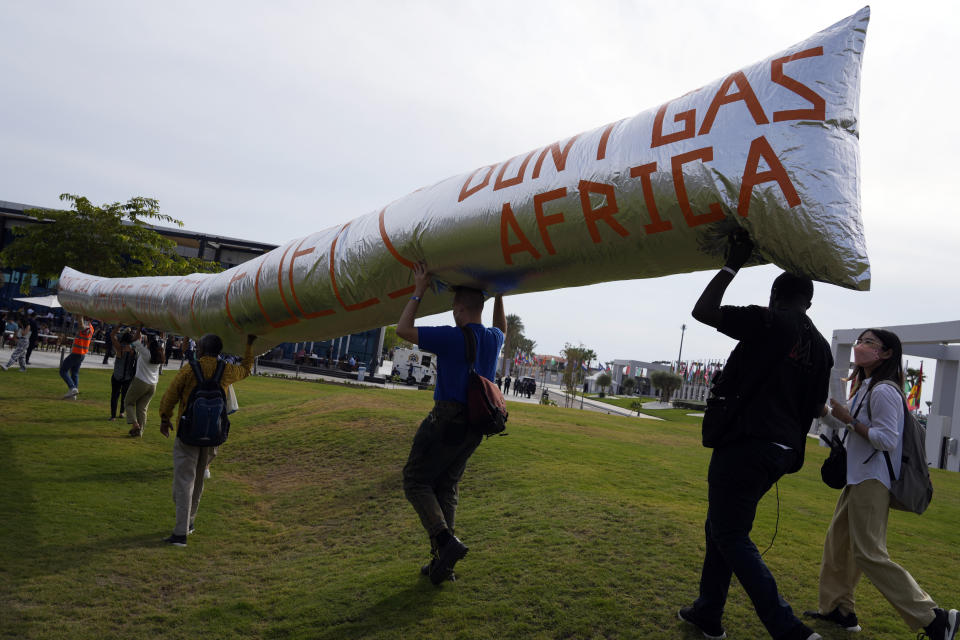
[912, 490]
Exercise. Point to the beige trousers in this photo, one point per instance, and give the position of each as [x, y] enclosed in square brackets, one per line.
[138, 401]
[856, 545]
[189, 463]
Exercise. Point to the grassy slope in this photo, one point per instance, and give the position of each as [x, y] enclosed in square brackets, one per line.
[581, 525]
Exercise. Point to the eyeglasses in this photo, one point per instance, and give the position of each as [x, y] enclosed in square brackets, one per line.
[868, 341]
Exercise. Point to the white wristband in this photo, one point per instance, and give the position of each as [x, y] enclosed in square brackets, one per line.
[732, 272]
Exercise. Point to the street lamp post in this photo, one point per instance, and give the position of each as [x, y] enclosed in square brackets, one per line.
[683, 329]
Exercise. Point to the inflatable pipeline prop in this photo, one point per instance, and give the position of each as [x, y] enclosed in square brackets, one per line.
[772, 148]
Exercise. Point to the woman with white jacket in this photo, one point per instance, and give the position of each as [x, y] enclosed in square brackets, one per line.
[856, 542]
[144, 382]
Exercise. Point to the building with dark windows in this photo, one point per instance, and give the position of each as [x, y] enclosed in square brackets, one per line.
[364, 347]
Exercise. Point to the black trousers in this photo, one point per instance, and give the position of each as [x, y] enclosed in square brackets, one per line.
[118, 390]
[739, 476]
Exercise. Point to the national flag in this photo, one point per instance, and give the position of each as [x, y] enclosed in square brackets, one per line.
[913, 399]
[583, 365]
[626, 370]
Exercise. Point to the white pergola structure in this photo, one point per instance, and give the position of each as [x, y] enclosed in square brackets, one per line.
[939, 341]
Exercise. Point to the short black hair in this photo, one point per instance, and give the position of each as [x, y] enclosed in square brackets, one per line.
[469, 297]
[788, 287]
[211, 344]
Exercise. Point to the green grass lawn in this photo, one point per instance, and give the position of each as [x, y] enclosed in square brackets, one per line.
[580, 525]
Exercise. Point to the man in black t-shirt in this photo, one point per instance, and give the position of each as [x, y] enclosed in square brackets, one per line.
[777, 378]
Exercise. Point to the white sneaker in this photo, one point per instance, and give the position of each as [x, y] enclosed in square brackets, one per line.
[71, 394]
[3, 366]
[206, 473]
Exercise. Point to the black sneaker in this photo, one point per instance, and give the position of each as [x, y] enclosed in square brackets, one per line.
[447, 556]
[175, 540]
[425, 570]
[712, 631]
[943, 627]
[846, 621]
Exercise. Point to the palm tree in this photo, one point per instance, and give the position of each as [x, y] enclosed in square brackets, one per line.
[512, 342]
[912, 375]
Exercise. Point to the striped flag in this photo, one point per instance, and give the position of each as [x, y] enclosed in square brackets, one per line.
[913, 398]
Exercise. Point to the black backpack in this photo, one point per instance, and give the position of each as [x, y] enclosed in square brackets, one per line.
[204, 421]
[486, 408]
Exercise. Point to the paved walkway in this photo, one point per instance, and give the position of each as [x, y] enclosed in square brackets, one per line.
[590, 404]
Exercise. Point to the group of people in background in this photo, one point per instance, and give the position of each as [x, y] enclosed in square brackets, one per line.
[138, 359]
[521, 386]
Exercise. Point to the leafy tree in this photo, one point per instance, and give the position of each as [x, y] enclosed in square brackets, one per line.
[391, 340]
[604, 380]
[637, 405]
[629, 384]
[110, 241]
[667, 382]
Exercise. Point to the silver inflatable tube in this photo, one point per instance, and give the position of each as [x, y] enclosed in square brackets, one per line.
[772, 148]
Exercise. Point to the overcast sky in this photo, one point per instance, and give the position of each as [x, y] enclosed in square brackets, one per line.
[269, 121]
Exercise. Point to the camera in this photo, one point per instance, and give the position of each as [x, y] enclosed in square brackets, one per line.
[126, 337]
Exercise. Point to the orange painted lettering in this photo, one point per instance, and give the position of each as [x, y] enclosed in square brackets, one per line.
[818, 109]
[559, 156]
[604, 139]
[693, 219]
[543, 221]
[744, 92]
[238, 276]
[399, 258]
[686, 118]
[657, 224]
[333, 280]
[605, 212]
[466, 190]
[256, 289]
[509, 221]
[500, 183]
[775, 172]
[296, 254]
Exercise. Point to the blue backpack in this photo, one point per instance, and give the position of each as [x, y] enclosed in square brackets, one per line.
[204, 421]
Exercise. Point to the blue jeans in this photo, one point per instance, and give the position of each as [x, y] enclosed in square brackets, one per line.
[70, 370]
[739, 476]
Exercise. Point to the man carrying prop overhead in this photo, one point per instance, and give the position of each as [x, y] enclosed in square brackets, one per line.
[773, 385]
[444, 443]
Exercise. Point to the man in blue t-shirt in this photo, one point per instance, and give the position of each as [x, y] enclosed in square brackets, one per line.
[444, 443]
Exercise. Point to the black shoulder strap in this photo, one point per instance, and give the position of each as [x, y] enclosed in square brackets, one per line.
[218, 374]
[197, 371]
[470, 344]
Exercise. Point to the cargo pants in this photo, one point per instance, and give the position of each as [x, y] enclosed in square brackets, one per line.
[438, 458]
